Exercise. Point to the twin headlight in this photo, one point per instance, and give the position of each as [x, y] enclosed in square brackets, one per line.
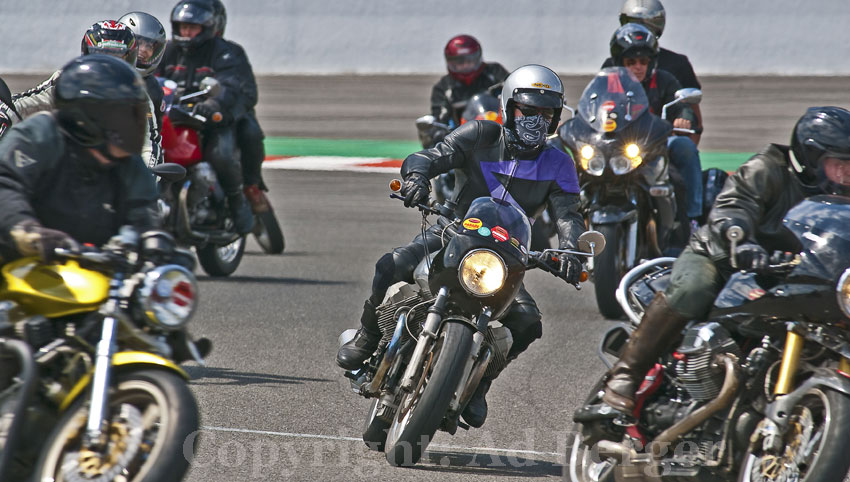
[593, 161]
[168, 296]
[482, 272]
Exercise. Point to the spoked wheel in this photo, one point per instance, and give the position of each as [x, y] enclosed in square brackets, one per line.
[151, 414]
[375, 429]
[222, 260]
[421, 411]
[268, 233]
[815, 443]
[608, 267]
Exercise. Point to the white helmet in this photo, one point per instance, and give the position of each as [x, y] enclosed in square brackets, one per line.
[533, 85]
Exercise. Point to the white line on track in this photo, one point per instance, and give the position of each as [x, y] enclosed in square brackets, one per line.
[358, 439]
[335, 163]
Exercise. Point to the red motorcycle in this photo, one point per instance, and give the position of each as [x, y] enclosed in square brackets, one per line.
[192, 202]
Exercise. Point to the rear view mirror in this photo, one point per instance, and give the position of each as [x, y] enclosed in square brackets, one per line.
[592, 242]
[211, 86]
[689, 95]
[170, 171]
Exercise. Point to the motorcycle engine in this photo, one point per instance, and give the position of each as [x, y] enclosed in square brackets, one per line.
[697, 352]
[402, 295]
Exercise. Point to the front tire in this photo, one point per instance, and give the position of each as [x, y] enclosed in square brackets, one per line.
[268, 234]
[151, 414]
[421, 411]
[608, 269]
[221, 260]
[818, 430]
[375, 429]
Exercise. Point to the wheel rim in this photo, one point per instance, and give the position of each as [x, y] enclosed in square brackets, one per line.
[261, 233]
[229, 252]
[408, 402]
[137, 412]
[801, 444]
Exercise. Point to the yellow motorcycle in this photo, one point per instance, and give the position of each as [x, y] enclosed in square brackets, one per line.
[90, 388]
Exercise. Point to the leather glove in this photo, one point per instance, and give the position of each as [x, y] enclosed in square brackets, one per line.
[207, 108]
[566, 266]
[416, 189]
[751, 256]
[33, 239]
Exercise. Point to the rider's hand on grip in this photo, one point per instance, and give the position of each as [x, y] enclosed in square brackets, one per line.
[415, 189]
[209, 108]
[751, 256]
[565, 266]
[33, 239]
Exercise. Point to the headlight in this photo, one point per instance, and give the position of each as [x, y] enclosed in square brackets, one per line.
[592, 161]
[168, 296]
[632, 151]
[843, 292]
[621, 165]
[482, 272]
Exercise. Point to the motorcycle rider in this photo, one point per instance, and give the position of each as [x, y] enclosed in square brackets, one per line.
[633, 46]
[150, 37]
[75, 174]
[194, 53]
[108, 37]
[490, 156]
[651, 14]
[468, 75]
[756, 197]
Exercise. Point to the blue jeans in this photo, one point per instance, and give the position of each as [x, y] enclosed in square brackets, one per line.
[684, 156]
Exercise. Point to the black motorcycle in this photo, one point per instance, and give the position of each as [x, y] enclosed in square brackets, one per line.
[441, 335]
[627, 191]
[759, 391]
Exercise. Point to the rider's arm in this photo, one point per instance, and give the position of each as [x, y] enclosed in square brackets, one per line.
[140, 195]
[37, 99]
[441, 107]
[238, 88]
[563, 197]
[452, 152]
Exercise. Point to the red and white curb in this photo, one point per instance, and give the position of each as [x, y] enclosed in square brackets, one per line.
[333, 163]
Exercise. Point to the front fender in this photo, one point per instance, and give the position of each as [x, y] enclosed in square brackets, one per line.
[613, 215]
[124, 359]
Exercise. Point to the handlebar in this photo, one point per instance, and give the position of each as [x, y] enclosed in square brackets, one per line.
[735, 234]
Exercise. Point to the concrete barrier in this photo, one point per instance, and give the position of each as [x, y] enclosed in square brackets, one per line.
[730, 37]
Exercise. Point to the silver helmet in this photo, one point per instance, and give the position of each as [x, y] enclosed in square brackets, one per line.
[150, 36]
[534, 85]
[649, 13]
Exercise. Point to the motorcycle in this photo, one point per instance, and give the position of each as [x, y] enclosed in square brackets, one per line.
[627, 191]
[90, 388]
[482, 106]
[196, 209]
[441, 335]
[758, 391]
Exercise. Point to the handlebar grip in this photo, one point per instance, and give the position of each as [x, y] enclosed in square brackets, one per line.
[684, 131]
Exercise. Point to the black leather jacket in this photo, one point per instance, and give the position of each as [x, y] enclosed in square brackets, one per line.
[46, 177]
[483, 164]
[225, 61]
[448, 91]
[756, 197]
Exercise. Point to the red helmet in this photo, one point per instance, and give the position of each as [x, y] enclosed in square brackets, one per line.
[463, 58]
[113, 38]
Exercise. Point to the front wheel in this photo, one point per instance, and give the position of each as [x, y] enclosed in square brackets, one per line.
[420, 412]
[608, 268]
[151, 414]
[221, 260]
[375, 429]
[815, 444]
[268, 233]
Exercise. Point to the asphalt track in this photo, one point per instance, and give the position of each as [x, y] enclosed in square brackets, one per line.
[274, 405]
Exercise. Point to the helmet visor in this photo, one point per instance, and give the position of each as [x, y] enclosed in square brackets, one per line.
[836, 168]
[538, 98]
[464, 64]
[150, 52]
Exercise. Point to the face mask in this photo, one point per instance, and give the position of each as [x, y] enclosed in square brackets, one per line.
[532, 130]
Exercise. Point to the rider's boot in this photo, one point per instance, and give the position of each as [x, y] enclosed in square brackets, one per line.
[475, 412]
[257, 199]
[658, 327]
[243, 218]
[352, 354]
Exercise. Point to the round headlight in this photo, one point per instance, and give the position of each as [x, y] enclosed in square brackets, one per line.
[843, 292]
[168, 296]
[621, 165]
[482, 272]
[632, 150]
[587, 151]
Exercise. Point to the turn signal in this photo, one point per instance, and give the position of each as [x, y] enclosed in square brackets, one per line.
[583, 276]
[395, 185]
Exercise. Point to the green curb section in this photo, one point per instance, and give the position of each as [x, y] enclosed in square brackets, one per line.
[303, 146]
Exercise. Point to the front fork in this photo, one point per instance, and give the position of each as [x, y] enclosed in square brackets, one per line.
[95, 435]
[430, 329]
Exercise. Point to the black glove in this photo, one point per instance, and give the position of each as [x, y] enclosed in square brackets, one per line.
[751, 256]
[416, 189]
[565, 266]
[207, 108]
[33, 239]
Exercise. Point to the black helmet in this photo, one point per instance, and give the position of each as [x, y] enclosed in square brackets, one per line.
[110, 37]
[197, 12]
[102, 100]
[220, 17]
[633, 40]
[822, 132]
[649, 13]
[150, 36]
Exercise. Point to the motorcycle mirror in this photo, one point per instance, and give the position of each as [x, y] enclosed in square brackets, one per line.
[689, 95]
[211, 86]
[426, 121]
[591, 242]
[170, 171]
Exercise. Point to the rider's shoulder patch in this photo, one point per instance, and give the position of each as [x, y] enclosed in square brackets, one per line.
[22, 160]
